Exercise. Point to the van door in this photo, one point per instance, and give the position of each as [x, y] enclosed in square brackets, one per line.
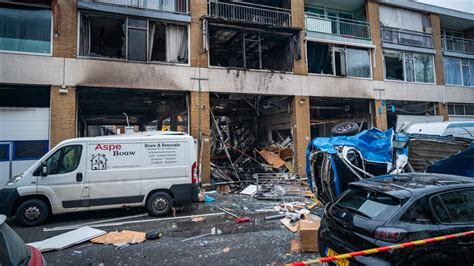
[5, 163]
[65, 181]
[114, 174]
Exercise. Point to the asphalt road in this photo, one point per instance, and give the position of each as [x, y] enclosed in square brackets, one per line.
[258, 242]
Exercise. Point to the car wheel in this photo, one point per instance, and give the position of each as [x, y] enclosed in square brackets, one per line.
[345, 129]
[32, 212]
[159, 204]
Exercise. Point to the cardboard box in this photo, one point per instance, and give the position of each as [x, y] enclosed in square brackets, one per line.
[308, 235]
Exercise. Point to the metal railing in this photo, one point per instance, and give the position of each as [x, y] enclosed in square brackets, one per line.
[460, 45]
[175, 6]
[247, 12]
[338, 26]
[406, 37]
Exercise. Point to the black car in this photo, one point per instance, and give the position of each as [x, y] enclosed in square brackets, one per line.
[393, 209]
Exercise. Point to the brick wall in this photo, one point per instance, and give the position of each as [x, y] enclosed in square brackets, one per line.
[200, 115]
[198, 8]
[372, 12]
[437, 43]
[63, 115]
[65, 37]
[300, 121]
[297, 20]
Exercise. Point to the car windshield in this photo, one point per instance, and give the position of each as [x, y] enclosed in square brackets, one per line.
[13, 250]
[370, 204]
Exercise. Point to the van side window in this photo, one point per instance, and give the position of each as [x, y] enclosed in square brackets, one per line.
[64, 160]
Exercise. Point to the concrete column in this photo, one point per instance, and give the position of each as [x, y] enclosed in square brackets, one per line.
[442, 109]
[197, 8]
[380, 115]
[200, 128]
[437, 44]
[300, 121]
[297, 20]
[63, 114]
[372, 11]
[65, 30]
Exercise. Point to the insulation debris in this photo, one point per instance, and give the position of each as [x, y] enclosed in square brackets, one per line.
[120, 238]
[68, 239]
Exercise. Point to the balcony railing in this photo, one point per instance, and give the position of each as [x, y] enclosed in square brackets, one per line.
[338, 26]
[407, 37]
[459, 45]
[247, 12]
[175, 6]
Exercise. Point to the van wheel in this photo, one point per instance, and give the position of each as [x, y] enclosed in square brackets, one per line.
[32, 212]
[159, 204]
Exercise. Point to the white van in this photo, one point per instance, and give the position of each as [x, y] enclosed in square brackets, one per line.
[156, 170]
[461, 129]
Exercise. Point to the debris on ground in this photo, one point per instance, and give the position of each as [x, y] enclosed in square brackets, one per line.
[153, 235]
[120, 238]
[68, 239]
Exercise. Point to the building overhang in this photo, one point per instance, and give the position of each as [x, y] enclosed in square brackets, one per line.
[137, 12]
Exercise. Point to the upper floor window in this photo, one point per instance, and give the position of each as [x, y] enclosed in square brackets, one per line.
[25, 29]
[461, 109]
[408, 66]
[458, 71]
[338, 60]
[132, 39]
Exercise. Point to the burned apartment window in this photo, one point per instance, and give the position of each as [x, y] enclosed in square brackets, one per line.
[320, 58]
[133, 39]
[408, 66]
[25, 29]
[102, 36]
[336, 60]
[137, 37]
[249, 49]
[168, 43]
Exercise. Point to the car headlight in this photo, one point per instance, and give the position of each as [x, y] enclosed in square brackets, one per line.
[15, 179]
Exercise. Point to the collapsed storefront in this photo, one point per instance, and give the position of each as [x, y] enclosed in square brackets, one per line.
[329, 112]
[250, 134]
[119, 111]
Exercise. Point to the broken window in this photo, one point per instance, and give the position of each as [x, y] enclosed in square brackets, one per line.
[133, 39]
[393, 65]
[407, 66]
[249, 49]
[320, 58]
[137, 37]
[25, 29]
[168, 43]
[330, 59]
[102, 36]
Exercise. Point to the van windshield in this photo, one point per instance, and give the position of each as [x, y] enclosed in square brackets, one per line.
[370, 204]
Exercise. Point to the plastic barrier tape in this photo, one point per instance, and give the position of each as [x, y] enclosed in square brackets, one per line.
[383, 249]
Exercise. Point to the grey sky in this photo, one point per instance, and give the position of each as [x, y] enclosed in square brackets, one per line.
[461, 5]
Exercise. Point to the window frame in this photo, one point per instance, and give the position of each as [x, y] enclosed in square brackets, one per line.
[404, 67]
[125, 59]
[51, 36]
[469, 65]
[14, 157]
[344, 48]
[444, 206]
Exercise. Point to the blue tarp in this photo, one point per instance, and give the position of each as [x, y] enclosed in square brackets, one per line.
[374, 145]
[460, 164]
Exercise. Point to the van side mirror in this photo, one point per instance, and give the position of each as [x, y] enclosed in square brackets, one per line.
[44, 169]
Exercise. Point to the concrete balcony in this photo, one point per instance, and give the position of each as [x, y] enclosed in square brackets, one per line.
[173, 6]
[458, 45]
[407, 37]
[346, 28]
[250, 13]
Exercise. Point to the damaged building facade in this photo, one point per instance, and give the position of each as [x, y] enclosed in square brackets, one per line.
[248, 79]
